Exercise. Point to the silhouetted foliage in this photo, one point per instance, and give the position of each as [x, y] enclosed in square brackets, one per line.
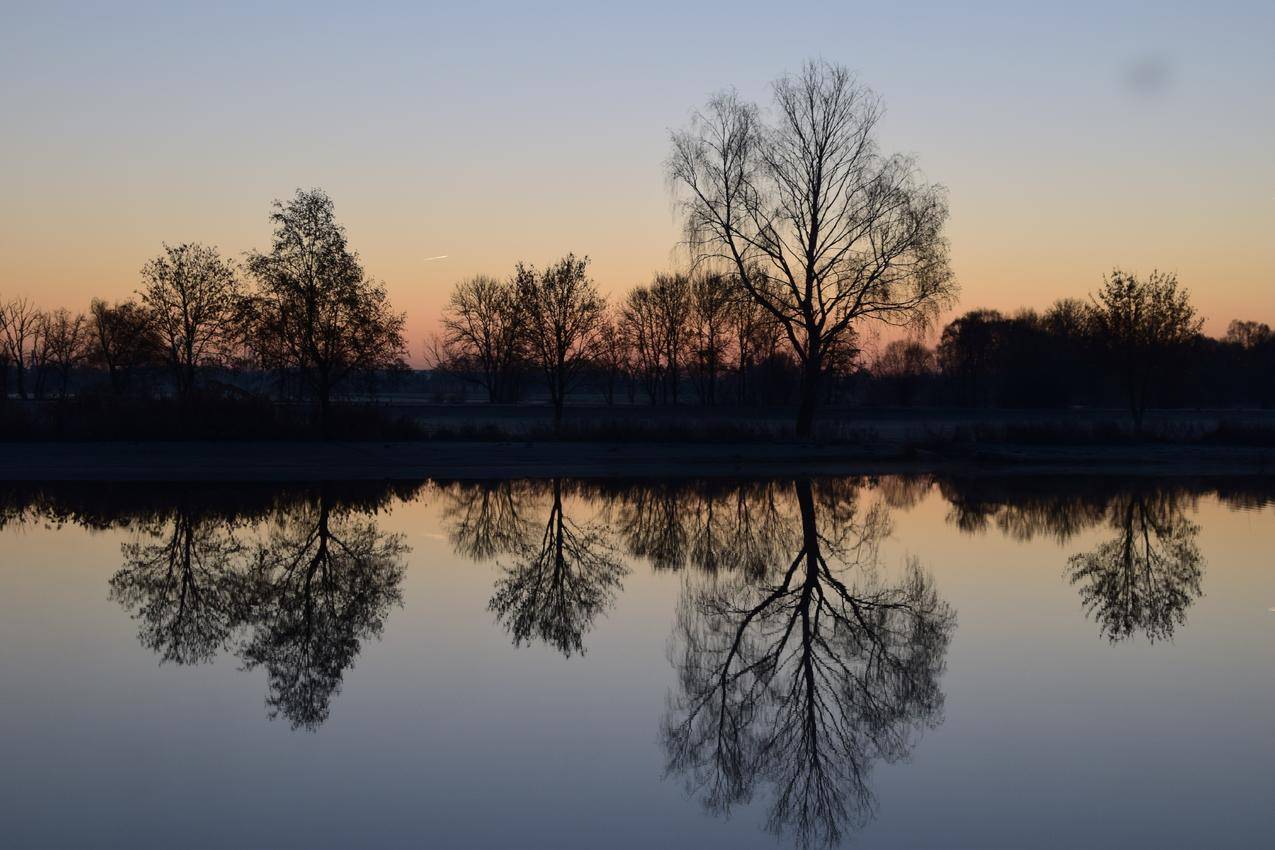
[298, 601]
[315, 310]
[1145, 326]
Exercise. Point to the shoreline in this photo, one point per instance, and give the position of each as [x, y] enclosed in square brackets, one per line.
[298, 461]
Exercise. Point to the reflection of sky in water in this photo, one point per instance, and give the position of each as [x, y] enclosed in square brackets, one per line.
[443, 733]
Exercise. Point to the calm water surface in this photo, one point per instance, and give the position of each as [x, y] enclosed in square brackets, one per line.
[897, 662]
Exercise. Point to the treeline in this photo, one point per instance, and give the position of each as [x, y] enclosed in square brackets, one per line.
[701, 339]
[684, 338]
[304, 313]
[1136, 343]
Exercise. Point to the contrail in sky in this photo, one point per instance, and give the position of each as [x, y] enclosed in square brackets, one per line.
[439, 257]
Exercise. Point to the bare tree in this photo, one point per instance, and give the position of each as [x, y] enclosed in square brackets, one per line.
[613, 357]
[711, 297]
[20, 334]
[822, 228]
[1145, 325]
[562, 315]
[658, 321]
[66, 338]
[671, 294]
[641, 328]
[316, 310]
[194, 301]
[482, 335]
[121, 340]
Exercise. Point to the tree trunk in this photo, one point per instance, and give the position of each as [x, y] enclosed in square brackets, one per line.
[809, 399]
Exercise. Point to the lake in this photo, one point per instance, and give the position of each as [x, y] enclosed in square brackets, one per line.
[924, 661]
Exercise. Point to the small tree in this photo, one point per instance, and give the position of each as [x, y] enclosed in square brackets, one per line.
[194, 302]
[121, 339]
[612, 357]
[315, 310]
[562, 316]
[20, 324]
[482, 335]
[672, 299]
[66, 337]
[1144, 326]
[711, 297]
[640, 324]
[904, 363]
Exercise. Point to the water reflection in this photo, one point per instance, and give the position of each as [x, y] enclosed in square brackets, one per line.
[298, 602]
[318, 587]
[1146, 577]
[186, 587]
[799, 659]
[801, 678]
[558, 582]
[1141, 581]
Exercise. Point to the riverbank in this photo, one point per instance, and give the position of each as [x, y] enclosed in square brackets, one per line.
[417, 460]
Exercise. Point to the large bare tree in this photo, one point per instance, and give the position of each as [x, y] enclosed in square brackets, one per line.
[822, 228]
[194, 301]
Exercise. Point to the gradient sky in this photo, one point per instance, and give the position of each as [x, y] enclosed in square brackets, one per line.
[1072, 138]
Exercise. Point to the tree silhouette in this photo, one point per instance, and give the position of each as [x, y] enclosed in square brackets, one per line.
[1145, 324]
[1147, 576]
[482, 336]
[321, 584]
[194, 302]
[185, 589]
[562, 314]
[315, 310]
[801, 681]
[558, 584]
[821, 228]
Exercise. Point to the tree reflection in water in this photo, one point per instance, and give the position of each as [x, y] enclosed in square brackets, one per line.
[558, 583]
[319, 586]
[184, 588]
[302, 599]
[801, 680]
[1147, 576]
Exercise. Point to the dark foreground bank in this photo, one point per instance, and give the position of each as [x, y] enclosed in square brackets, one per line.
[414, 460]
